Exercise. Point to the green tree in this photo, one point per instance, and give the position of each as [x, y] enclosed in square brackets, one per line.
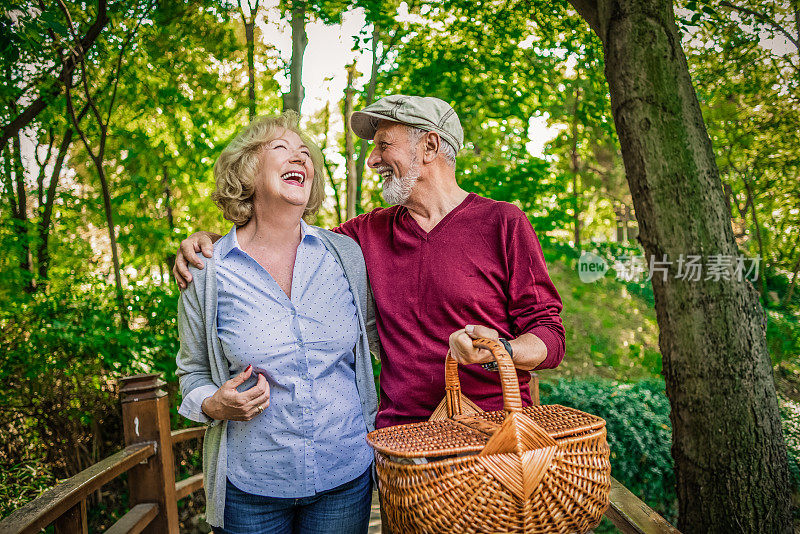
[716, 364]
[748, 90]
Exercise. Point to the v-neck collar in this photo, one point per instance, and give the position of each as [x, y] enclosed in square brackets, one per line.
[417, 229]
[231, 241]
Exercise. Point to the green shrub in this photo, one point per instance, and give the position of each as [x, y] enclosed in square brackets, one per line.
[783, 335]
[22, 482]
[61, 355]
[790, 421]
[639, 433]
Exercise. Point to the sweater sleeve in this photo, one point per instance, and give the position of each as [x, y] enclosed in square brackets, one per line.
[533, 303]
[350, 227]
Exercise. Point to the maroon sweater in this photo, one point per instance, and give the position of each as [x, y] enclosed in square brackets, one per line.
[482, 265]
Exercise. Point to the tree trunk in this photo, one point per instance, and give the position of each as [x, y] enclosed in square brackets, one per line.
[757, 228]
[730, 457]
[249, 21]
[170, 257]
[249, 27]
[20, 218]
[363, 143]
[349, 147]
[326, 123]
[575, 168]
[294, 98]
[43, 251]
[112, 236]
[97, 159]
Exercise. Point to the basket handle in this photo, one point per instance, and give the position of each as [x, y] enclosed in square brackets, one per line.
[512, 399]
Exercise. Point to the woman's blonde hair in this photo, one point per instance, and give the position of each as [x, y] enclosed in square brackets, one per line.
[236, 168]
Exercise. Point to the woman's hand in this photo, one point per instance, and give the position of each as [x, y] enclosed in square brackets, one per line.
[461, 344]
[187, 253]
[229, 404]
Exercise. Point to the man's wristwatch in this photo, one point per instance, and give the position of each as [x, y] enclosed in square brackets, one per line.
[492, 366]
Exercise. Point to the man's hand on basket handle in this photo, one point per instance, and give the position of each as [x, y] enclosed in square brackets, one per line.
[529, 351]
[187, 253]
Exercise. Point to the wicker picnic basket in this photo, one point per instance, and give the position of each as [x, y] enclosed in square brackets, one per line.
[536, 469]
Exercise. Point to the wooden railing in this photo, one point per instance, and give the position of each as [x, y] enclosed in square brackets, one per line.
[148, 459]
[632, 516]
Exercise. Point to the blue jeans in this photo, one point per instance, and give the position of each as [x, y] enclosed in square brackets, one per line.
[342, 510]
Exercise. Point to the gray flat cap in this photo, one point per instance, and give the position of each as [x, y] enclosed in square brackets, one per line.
[425, 112]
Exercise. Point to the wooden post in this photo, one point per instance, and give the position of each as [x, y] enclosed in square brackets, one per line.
[145, 417]
[73, 521]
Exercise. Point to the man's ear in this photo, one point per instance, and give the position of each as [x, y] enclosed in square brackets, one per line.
[432, 142]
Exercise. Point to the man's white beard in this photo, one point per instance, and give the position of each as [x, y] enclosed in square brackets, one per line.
[396, 190]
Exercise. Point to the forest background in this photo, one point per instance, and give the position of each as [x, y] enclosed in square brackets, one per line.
[106, 164]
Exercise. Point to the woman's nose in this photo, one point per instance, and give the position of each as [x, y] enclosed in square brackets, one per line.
[299, 156]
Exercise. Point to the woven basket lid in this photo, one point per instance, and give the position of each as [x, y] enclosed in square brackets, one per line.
[465, 434]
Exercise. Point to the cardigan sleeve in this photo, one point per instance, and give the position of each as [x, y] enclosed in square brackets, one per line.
[193, 364]
[371, 325]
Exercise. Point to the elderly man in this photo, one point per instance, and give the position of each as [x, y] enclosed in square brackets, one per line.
[445, 266]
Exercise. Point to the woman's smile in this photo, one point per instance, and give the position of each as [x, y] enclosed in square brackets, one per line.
[296, 178]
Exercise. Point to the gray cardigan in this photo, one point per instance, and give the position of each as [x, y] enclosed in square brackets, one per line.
[201, 360]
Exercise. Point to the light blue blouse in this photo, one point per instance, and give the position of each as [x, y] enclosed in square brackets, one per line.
[311, 438]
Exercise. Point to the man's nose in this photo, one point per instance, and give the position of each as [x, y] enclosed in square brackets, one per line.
[374, 159]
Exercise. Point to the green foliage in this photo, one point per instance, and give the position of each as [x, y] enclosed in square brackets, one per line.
[747, 85]
[790, 419]
[639, 433]
[22, 482]
[611, 329]
[790, 422]
[783, 335]
[61, 355]
[75, 331]
[182, 95]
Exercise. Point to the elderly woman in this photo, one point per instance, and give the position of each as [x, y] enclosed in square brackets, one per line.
[274, 351]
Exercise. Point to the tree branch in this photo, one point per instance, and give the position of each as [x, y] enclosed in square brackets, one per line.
[9, 184]
[118, 69]
[763, 19]
[588, 10]
[36, 107]
[84, 76]
[43, 164]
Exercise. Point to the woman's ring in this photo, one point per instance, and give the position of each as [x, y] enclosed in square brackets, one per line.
[260, 409]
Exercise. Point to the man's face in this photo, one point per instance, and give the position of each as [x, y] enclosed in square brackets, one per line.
[395, 158]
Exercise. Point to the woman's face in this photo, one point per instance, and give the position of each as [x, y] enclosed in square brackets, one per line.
[286, 172]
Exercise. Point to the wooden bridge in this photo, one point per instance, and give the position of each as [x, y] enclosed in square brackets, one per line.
[154, 493]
